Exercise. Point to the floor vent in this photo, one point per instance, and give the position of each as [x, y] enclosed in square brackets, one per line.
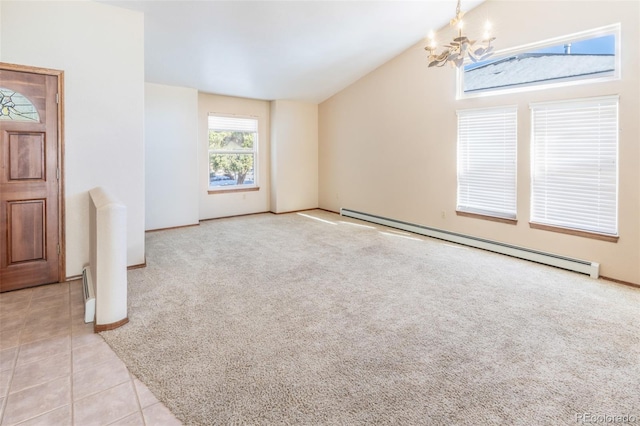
[584, 267]
[89, 295]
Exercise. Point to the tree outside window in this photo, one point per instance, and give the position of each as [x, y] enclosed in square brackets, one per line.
[232, 151]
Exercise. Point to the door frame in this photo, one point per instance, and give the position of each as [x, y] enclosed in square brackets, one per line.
[62, 264]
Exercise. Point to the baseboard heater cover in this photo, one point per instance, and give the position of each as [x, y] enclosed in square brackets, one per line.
[582, 266]
[89, 294]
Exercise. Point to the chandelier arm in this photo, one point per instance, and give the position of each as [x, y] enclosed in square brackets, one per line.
[461, 47]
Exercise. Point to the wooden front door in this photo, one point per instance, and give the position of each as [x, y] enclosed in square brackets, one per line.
[29, 180]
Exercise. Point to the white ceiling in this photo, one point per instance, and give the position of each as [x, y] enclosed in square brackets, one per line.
[297, 50]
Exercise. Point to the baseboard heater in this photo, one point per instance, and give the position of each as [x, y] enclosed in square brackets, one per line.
[89, 294]
[582, 266]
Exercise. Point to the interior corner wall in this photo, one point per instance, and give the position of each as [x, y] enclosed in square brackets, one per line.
[294, 156]
[387, 143]
[216, 205]
[100, 48]
[171, 156]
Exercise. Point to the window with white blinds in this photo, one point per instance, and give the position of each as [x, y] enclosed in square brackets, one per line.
[487, 149]
[233, 124]
[575, 164]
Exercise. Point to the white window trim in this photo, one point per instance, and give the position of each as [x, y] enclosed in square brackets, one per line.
[256, 145]
[614, 29]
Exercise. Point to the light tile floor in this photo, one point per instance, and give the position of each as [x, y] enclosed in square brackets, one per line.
[55, 371]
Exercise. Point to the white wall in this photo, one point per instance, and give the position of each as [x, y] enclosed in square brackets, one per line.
[0, 30]
[388, 142]
[234, 203]
[294, 156]
[171, 156]
[100, 48]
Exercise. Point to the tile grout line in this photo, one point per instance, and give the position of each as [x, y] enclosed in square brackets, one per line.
[11, 371]
[95, 393]
[49, 381]
[103, 390]
[3, 407]
[71, 404]
[5, 402]
[69, 376]
[42, 413]
[135, 390]
[19, 348]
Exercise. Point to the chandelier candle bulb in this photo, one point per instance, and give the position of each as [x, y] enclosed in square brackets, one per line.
[461, 48]
[487, 30]
[432, 41]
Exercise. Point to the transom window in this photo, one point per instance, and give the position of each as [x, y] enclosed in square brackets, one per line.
[574, 59]
[14, 106]
[233, 148]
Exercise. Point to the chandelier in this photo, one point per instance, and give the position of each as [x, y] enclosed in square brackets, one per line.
[461, 47]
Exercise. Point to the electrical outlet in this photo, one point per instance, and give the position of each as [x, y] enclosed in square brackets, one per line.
[443, 214]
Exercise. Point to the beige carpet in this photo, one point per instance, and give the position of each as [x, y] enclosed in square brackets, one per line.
[290, 319]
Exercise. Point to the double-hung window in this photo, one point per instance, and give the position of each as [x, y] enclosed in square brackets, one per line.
[233, 149]
[487, 149]
[574, 167]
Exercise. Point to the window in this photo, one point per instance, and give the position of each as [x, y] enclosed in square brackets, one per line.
[233, 147]
[575, 165]
[577, 58]
[487, 162]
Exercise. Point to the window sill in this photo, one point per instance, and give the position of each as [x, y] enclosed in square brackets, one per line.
[487, 217]
[578, 233]
[232, 190]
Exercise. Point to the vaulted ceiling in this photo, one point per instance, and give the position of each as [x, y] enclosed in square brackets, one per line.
[298, 50]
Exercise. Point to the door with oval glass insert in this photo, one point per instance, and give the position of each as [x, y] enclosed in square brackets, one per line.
[29, 180]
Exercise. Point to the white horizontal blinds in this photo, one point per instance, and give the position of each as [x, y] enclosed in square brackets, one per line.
[575, 164]
[234, 124]
[487, 149]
